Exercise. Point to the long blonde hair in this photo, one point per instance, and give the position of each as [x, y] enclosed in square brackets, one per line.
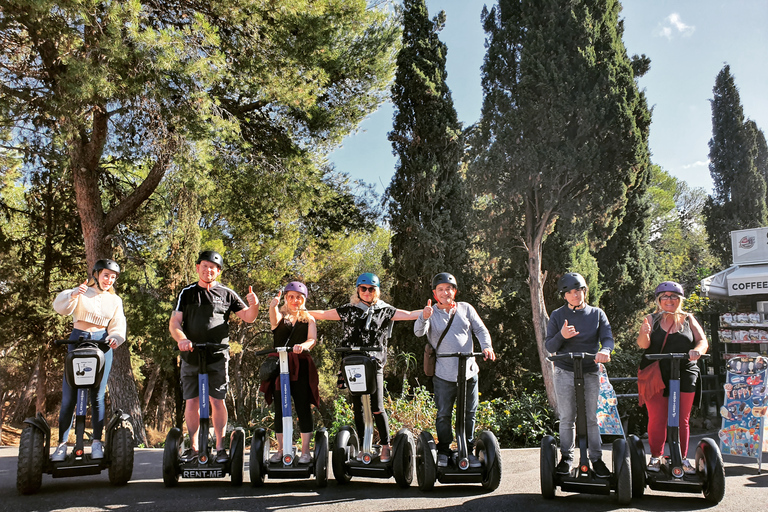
[678, 315]
[302, 315]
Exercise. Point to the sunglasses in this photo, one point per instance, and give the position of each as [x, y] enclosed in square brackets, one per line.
[368, 289]
[669, 297]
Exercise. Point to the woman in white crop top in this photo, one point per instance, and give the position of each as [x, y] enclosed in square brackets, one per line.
[97, 313]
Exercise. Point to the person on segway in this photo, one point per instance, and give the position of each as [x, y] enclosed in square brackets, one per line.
[292, 325]
[97, 314]
[578, 327]
[671, 330]
[449, 327]
[201, 315]
[366, 322]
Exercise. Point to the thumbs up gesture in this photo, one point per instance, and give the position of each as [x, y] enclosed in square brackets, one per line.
[646, 327]
[568, 331]
[252, 299]
[276, 301]
[427, 310]
[80, 289]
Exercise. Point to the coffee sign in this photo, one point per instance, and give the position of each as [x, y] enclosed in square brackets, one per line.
[750, 246]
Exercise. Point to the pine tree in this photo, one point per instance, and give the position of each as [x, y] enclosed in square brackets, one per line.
[560, 127]
[426, 198]
[739, 199]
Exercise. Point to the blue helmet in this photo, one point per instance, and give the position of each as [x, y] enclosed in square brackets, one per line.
[369, 279]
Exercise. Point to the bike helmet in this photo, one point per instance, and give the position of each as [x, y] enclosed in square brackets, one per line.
[570, 281]
[369, 279]
[669, 286]
[213, 257]
[296, 286]
[444, 277]
[105, 264]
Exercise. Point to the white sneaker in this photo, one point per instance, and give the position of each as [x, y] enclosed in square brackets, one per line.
[688, 468]
[276, 457]
[60, 454]
[654, 465]
[305, 458]
[97, 449]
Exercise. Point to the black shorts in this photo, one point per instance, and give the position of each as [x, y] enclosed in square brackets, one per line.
[218, 378]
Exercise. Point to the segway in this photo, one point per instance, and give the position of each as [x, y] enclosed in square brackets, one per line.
[458, 469]
[349, 459]
[203, 465]
[710, 472]
[288, 467]
[583, 479]
[84, 369]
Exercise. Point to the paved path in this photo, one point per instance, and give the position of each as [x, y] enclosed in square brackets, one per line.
[519, 490]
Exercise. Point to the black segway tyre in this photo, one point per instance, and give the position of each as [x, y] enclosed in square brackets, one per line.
[345, 445]
[321, 458]
[29, 471]
[488, 451]
[637, 456]
[403, 458]
[622, 470]
[547, 464]
[257, 464]
[426, 468]
[121, 456]
[171, 457]
[709, 466]
[236, 449]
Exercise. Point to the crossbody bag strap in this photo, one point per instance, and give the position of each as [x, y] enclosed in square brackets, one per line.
[445, 331]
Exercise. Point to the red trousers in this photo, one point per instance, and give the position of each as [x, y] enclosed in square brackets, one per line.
[657, 422]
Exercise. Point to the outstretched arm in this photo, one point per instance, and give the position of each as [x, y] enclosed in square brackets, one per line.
[329, 314]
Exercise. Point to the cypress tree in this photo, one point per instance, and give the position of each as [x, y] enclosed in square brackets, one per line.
[427, 203]
[561, 132]
[739, 199]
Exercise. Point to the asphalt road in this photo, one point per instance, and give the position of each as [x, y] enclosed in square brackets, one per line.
[746, 490]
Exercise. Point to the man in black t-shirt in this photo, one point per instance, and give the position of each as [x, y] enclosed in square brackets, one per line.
[202, 315]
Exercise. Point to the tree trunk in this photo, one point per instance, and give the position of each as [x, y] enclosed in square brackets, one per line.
[123, 392]
[160, 423]
[25, 400]
[150, 387]
[41, 386]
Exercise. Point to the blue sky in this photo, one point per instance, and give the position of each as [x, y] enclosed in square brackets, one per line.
[688, 42]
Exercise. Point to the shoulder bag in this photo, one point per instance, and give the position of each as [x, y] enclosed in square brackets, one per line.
[430, 353]
[649, 380]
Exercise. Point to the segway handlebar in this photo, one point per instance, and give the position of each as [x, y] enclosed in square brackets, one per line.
[374, 348]
[265, 351]
[206, 344]
[461, 354]
[571, 355]
[672, 355]
[100, 343]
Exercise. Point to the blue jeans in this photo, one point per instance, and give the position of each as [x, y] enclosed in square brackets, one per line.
[566, 410]
[445, 398]
[69, 395]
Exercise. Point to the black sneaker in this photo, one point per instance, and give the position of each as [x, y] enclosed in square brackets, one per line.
[221, 456]
[189, 455]
[601, 471]
[564, 468]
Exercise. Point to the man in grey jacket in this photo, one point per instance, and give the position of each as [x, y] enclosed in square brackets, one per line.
[433, 321]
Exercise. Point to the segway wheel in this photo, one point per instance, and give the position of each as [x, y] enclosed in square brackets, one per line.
[622, 469]
[426, 469]
[344, 445]
[489, 453]
[121, 456]
[29, 471]
[257, 464]
[637, 456]
[236, 448]
[709, 465]
[402, 461]
[547, 464]
[321, 458]
[171, 458]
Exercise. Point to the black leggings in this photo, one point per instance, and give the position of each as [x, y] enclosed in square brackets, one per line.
[377, 404]
[301, 393]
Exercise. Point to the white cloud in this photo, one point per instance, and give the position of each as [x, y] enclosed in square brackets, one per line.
[700, 163]
[673, 25]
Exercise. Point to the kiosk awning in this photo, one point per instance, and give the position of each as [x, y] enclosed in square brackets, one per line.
[736, 281]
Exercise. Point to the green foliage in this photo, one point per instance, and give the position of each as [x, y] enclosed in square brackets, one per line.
[519, 422]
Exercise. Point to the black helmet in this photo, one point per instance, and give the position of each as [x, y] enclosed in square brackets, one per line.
[213, 257]
[570, 281]
[105, 265]
[444, 277]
